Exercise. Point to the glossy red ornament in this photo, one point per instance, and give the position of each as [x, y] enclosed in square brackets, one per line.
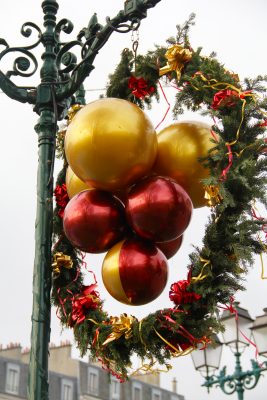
[94, 221]
[135, 271]
[158, 209]
[170, 248]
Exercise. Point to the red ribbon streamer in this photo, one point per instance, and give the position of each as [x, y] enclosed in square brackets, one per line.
[62, 302]
[168, 108]
[233, 310]
[230, 163]
[252, 343]
[230, 307]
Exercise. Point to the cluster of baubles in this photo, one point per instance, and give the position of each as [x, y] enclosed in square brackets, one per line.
[127, 189]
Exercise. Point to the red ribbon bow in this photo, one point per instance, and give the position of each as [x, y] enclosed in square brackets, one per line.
[179, 294]
[62, 198]
[140, 87]
[81, 303]
[224, 98]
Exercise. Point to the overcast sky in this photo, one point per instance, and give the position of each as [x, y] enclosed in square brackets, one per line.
[236, 30]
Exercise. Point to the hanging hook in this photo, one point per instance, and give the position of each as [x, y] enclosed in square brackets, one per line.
[135, 44]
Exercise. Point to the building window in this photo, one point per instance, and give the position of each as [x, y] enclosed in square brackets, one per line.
[12, 378]
[114, 389]
[137, 391]
[93, 378]
[174, 397]
[156, 394]
[66, 389]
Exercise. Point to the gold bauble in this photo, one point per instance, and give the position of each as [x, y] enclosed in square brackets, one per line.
[110, 144]
[180, 146]
[74, 184]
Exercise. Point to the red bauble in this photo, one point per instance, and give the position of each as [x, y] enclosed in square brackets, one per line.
[94, 221]
[158, 209]
[170, 248]
[135, 271]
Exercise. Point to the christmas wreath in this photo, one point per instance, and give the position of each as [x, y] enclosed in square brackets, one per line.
[236, 178]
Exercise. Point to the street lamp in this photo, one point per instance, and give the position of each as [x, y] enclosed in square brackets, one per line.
[237, 336]
[61, 85]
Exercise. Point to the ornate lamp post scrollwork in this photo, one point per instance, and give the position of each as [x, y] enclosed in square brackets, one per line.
[62, 77]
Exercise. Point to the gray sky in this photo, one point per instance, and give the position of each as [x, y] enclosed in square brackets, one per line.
[236, 31]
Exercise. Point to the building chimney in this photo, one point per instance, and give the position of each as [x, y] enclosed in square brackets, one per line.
[174, 385]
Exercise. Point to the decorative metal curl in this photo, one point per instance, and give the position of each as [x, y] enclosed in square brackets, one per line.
[229, 386]
[251, 381]
[64, 56]
[23, 63]
[67, 58]
[64, 25]
[26, 31]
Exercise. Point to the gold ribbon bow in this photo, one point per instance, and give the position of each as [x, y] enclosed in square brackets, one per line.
[176, 56]
[61, 260]
[120, 326]
[212, 195]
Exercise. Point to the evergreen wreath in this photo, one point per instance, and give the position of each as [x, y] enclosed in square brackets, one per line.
[237, 165]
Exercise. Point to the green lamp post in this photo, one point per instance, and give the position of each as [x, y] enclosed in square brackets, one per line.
[61, 84]
[237, 334]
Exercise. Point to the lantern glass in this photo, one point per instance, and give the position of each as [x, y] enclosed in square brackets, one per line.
[259, 330]
[207, 360]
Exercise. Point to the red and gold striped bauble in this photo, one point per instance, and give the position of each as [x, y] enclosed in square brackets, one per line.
[135, 271]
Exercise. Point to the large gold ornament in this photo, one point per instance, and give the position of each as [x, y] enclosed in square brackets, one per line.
[110, 144]
[74, 184]
[180, 146]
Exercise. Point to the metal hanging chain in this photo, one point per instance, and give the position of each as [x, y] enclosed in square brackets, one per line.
[135, 44]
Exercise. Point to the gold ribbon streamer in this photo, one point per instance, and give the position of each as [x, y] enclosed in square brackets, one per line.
[148, 369]
[262, 267]
[176, 56]
[261, 258]
[212, 195]
[73, 111]
[177, 352]
[201, 275]
[61, 260]
[120, 326]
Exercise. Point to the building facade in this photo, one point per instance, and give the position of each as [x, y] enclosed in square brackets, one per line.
[72, 379]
